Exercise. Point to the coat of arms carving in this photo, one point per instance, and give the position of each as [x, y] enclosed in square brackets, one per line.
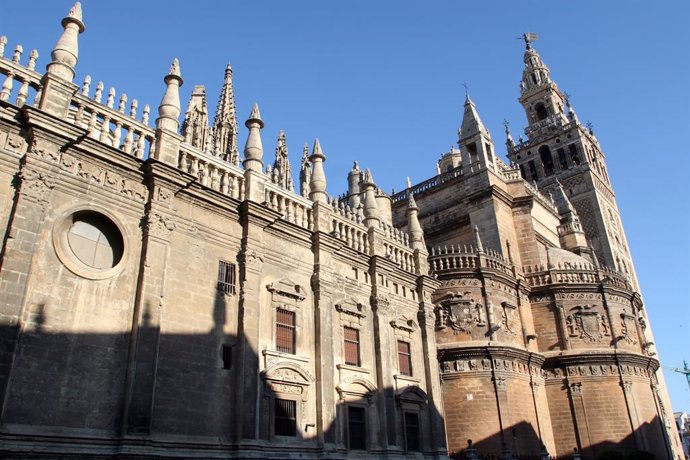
[586, 323]
[459, 312]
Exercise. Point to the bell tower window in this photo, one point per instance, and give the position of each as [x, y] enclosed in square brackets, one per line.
[542, 112]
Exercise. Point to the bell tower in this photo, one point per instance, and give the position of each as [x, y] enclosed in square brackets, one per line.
[559, 149]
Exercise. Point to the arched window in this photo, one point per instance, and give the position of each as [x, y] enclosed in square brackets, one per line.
[546, 159]
[542, 113]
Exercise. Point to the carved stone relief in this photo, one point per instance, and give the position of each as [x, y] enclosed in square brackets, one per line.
[586, 323]
[628, 328]
[459, 312]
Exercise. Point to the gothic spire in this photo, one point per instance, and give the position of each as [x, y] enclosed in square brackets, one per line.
[282, 174]
[225, 122]
[471, 123]
[195, 125]
[478, 240]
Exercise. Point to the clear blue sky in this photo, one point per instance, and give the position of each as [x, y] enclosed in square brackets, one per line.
[381, 82]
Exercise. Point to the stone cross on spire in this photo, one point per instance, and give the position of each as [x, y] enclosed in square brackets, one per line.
[225, 122]
[282, 174]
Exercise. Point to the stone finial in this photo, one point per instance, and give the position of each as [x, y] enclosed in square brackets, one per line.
[353, 191]
[65, 54]
[253, 149]
[317, 185]
[414, 229]
[478, 240]
[281, 165]
[305, 172]
[3, 43]
[169, 109]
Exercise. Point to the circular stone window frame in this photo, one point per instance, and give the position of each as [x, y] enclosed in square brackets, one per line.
[61, 228]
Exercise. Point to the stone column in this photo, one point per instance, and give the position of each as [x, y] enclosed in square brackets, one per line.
[254, 218]
[142, 365]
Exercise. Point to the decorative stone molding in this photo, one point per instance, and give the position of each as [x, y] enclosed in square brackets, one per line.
[404, 324]
[411, 394]
[44, 149]
[105, 178]
[351, 307]
[575, 388]
[285, 287]
[286, 377]
[160, 225]
[501, 384]
[36, 184]
[356, 388]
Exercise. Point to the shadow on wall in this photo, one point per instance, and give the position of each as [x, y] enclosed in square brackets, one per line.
[509, 447]
[146, 394]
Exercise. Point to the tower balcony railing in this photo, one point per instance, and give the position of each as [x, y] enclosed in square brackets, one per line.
[428, 184]
[574, 273]
[457, 258]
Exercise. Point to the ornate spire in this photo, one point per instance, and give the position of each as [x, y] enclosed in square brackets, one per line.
[282, 174]
[169, 108]
[471, 123]
[65, 54]
[195, 126]
[253, 149]
[225, 122]
[317, 185]
[305, 172]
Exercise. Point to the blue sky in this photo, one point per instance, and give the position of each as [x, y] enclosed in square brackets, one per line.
[382, 82]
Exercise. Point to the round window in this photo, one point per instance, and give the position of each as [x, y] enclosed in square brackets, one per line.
[90, 243]
[95, 240]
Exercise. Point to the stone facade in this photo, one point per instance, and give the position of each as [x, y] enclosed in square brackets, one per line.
[161, 296]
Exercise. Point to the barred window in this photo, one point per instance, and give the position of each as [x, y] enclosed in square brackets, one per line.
[351, 345]
[226, 277]
[357, 428]
[404, 358]
[285, 417]
[285, 331]
[412, 431]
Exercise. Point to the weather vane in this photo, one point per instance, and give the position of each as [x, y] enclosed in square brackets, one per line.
[529, 37]
[467, 89]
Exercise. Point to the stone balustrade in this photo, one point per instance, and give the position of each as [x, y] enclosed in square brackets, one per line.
[455, 258]
[212, 172]
[293, 208]
[21, 82]
[114, 126]
[351, 232]
[428, 184]
[573, 273]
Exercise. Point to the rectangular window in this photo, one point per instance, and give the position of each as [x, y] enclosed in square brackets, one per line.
[404, 358]
[412, 432]
[285, 331]
[351, 336]
[574, 156]
[285, 417]
[227, 356]
[226, 277]
[357, 428]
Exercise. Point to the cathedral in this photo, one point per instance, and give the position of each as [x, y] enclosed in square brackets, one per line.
[168, 293]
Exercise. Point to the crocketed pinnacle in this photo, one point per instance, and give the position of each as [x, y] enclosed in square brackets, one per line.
[225, 122]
